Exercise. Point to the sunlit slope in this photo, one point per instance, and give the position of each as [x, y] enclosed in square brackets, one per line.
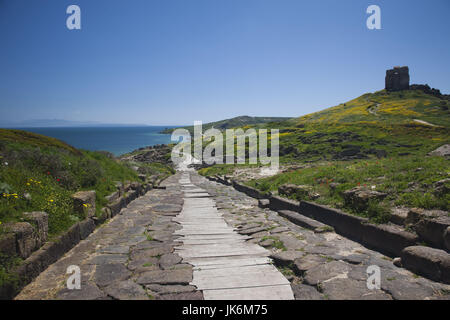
[401, 107]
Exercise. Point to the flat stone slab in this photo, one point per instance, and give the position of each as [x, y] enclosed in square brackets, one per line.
[127, 290]
[326, 271]
[305, 292]
[164, 289]
[279, 292]
[109, 258]
[167, 208]
[179, 276]
[225, 266]
[286, 257]
[350, 289]
[105, 274]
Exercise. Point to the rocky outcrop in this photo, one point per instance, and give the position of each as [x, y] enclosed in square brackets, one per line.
[426, 89]
[442, 151]
[397, 79]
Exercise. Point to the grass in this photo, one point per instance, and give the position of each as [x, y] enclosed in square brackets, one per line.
[44, 178]
[39, 173]
[389, 152]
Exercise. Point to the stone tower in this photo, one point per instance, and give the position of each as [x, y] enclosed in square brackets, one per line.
[397, 79]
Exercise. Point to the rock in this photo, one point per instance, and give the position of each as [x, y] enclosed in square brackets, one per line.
[351, 289]
[106, 274]
[8, 244]
[402, 287]
[40, 222]
[116, 206]
[447, 238]
[168, 260]
[87, 226]
[108, 258]
[304, 292]
[195, 295]
[326, 271]
[430, 262]
[430, 225]
[113, 197]
[355, 258]
[303, 221]
[84, 203]
[126, 290]
[117, 249]
[26, 239]
[160, 289]
[442, 151]
[309, 261]
[87, 292]
[386, 238]
[279, 230]
[398, 215]
[397, 262]
[442, 187]
[178, 276]
[167, 208]
[143, 264]
[298, 191]
[263, 203]
[151, 252]
[252, 230]
[286, 257]
[397, 79]
[267, 243]
[358, 197]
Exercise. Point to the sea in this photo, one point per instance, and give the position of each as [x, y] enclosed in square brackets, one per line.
[117, 140]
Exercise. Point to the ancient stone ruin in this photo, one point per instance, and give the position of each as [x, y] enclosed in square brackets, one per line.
[397, 79]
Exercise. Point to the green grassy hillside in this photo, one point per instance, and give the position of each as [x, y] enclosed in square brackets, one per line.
[39, 173]
[233, 123]
[379, 141]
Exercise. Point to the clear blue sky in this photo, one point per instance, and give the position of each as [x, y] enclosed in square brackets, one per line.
[167, 62]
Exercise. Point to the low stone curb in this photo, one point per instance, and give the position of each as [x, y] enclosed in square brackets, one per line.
[251, 192]
[429, 262]
[303, 221]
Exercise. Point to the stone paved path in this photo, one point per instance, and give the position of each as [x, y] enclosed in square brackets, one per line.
[226, 266]
[318, 265]
[152, 250]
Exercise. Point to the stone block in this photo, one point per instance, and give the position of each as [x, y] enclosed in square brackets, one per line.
[40, 222]
[84, 203]
[429, 262]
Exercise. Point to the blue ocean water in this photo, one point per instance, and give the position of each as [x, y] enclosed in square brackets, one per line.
[117, 140]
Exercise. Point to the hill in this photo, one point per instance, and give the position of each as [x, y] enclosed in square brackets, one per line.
[39, 173]
[233, 123]
[379, 141]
